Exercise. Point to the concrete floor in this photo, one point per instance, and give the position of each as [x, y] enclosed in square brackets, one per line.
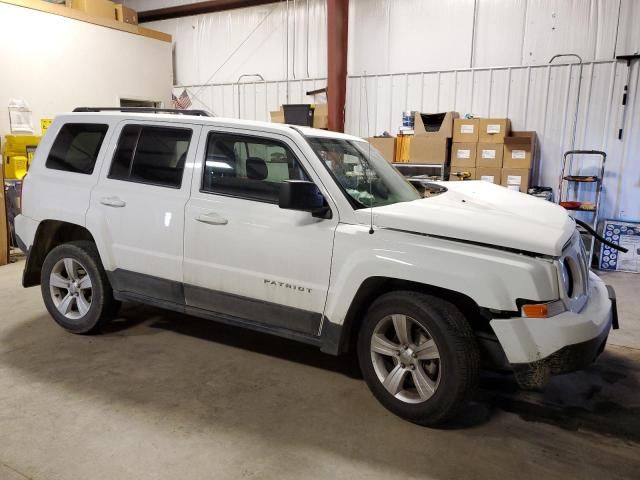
[164, 396]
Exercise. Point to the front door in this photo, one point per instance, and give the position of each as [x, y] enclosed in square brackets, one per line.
[244, 256]
[138, 207]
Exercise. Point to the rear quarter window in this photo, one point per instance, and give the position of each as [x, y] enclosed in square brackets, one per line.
[76, 147]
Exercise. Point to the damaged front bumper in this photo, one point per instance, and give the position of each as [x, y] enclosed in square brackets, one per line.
[537, 348]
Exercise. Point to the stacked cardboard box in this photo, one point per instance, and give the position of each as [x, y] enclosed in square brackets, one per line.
[519, 165]
[478, 149]
[465, 149]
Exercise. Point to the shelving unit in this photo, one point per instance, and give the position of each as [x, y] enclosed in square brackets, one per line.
[416, 166]
[570, 179]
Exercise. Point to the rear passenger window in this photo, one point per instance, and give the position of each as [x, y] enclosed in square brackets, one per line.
[153, 155]
[76, 147]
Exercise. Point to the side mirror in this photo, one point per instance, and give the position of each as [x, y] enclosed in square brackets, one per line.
[303, 196]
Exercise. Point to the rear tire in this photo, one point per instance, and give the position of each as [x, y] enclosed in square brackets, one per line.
[418, 356]
[75, 288]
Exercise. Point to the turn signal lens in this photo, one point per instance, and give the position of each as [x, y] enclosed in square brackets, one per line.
[542, 310]
[536, 310]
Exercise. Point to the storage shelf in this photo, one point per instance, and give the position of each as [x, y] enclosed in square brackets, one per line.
[579, 209]
[582, 178]
[423, 165]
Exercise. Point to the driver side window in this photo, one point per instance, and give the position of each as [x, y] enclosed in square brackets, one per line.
[248, 167]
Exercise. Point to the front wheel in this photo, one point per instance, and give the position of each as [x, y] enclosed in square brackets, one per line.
[75, 288]
[418, 356]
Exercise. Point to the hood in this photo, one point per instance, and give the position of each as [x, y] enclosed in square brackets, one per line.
[482, 212]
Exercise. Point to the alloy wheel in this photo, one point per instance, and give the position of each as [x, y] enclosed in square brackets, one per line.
[71, 288]
[405, 358]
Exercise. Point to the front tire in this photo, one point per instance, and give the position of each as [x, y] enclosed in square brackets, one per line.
[418, 356]
[75, 288]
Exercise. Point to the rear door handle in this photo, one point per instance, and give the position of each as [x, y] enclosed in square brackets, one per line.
[212, 219]
[113, 202]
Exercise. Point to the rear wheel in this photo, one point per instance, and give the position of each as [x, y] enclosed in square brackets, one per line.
[75, 288]
[418, 356]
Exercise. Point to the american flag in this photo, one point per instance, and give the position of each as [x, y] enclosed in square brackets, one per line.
[182, 102]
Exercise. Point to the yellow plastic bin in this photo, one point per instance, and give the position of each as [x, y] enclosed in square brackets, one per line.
[17, 154]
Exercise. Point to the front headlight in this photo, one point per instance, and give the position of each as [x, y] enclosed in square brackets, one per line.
[566, 276]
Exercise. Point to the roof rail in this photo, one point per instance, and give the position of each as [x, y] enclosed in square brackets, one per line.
[198, 113]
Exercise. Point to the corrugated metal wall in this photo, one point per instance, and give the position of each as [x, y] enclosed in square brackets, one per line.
[540, 98]
[253, 99]
[440, 41]
[219, 47]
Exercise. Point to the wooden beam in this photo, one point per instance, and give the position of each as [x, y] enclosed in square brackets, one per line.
[337, 41]
[4, 226]
[85, 17]
[198, 9]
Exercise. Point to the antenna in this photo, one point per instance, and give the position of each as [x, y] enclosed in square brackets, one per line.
[366, 106]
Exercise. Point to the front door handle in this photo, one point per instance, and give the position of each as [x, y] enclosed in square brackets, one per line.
[113, 202]
[212, 219]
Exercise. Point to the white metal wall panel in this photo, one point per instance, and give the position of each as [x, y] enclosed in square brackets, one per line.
[219, 47]
[409, 35]
[254, 100]
[369, 30]
[399, 36]
[430, 34]
[628, 32]
[585, 27]
[499, 33]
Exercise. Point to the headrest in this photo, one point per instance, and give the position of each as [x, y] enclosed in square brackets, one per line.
[257, 168]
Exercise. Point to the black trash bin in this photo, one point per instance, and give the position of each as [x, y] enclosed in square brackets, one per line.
[298, 114]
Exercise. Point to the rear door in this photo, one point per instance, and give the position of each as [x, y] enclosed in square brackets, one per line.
[138, 207]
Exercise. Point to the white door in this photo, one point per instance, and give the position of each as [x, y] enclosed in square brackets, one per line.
[244, 256]
[138, 207]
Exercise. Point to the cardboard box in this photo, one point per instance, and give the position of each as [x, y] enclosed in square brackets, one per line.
[386, 146]
[516, 179]
[457, 174]
[321, 115]
[493, 130]
[520, 150]
[434, 124]
[489, 155]
[465, 130]
[99, 8]
[125, 14]
[277, 116]
[625, 234]
[464, 154]
[492, 175]
[429, 149]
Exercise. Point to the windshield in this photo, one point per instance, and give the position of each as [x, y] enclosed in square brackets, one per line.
[368, 179]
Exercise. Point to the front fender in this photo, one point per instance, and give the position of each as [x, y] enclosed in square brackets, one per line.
[493, 278]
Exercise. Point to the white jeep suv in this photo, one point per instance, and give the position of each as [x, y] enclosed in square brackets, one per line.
[313, 236]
